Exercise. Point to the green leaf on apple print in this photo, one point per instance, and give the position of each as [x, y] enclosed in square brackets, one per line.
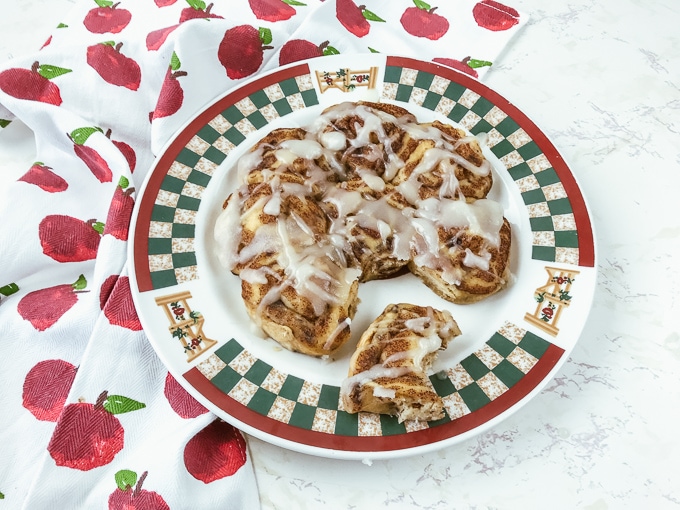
[372, 50]
[80, 283]
[49, 72]
[371, 16]
[330, 50]
[123, 182]
[175, 63]
[9, 289]
[118, 404]
[199, 5]
[104, 3]
[422, 5]
[293, 2]
[4, 123]
[125, 479]
[98, 226]
[2, 496]
[80, 135]
[62, 25]
[475, 64]
[265, 35]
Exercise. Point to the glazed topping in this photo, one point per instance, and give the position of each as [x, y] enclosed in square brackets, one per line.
[355, 199]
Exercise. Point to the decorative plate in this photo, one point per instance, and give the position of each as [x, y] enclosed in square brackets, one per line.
[512, 343]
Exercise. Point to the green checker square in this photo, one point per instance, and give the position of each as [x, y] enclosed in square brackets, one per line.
[481, 127]
[162, 279]
[309, 97]
[229, 351]
[560, 206]
[542, 224]
[454, 91]
[431, 101]
[403, 93]
[289, 86]
[329, 396]
[208, 134]
[183, 230]
[234, 136]
[346, 424]
[546, 253]
[162, 213]
[473, 396]
[226, 379]
[534, 344]
[188, 203]
[172, 184]
[259, 98]
[424, 80]
[262, 401]
[547, 177]
[507, 126]
[534, 196]
[474, 366]
[214, 155]
[520, 171]
[232, 114]
[198, 178]
[502, 148]
[442, 385]
[257, 119]
[390, 425]
[186, 259]
[458, 112]
[501, 345]
[566, 239]
[529, 150]
[303, 416]
[258, 372]
[291, 388]
[442, 421]
[392, 74]
[482, 106]
[187, 157]
[282, 107]
[160, 246]
[508, 373]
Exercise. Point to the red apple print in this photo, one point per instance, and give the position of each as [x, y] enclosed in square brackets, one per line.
[68, 239]
[215, 452]
[494, 15]
[115, 299]
[422, 21]
[355, 17]
[125, 497]
[241, 50]
[126, 150]
[89, 435]
[42, 308]
[97, 165]
[274, 10]
[171, 95]
[467, 65]
[114, 67]
[164, 3]
[46, 387]
[33, 84]
[300, 49]
[180, 400]
[107, 18]
[120, 211]
[43, 177]
[155, 39]
[197, 10]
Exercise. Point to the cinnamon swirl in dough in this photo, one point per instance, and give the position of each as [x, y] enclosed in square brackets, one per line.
[388, 371]
[361, 193]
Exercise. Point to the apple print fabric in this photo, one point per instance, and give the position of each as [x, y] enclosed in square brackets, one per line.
[90, 416]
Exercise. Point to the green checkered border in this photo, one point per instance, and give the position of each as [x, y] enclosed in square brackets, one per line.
[171, 250]
[551, 216]
[468, 386]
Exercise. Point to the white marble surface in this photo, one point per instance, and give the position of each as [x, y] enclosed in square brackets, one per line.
[602, 79]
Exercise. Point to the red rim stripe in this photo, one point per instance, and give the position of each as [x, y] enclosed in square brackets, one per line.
[408, 440]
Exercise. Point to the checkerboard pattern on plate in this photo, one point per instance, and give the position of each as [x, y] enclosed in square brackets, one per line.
[172, 257]
[466, 387]
[555, 238]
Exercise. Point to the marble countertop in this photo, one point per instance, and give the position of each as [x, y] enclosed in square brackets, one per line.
[601, 80]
